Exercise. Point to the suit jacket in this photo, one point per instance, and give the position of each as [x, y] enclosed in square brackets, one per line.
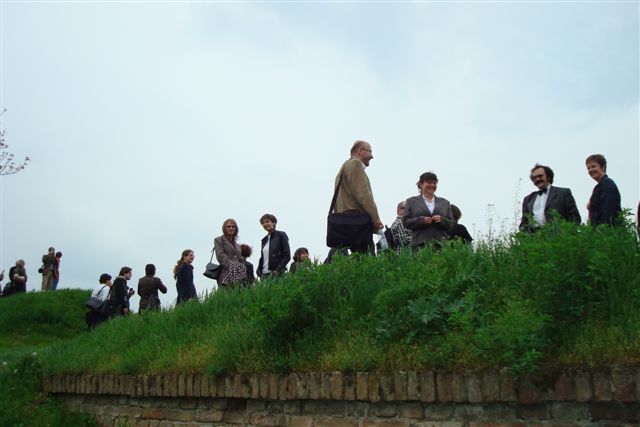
[279, 253]
[559, 199]
[415, 210]
[355, 190]
[604, 204]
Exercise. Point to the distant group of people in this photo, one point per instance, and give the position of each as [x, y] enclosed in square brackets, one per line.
[50, 271]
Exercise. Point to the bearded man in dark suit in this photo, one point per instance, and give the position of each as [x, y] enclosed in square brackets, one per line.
[538, 206]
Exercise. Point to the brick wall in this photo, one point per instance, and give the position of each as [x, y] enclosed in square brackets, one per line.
[585, 398]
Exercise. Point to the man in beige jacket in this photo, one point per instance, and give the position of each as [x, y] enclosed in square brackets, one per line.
[355, 193]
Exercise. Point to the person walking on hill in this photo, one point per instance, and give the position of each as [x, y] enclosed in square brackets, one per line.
[148, 287]
[121, 292]
[101, 292]
[48, 265]
[354, 195]
[275, 253]
[183, 273]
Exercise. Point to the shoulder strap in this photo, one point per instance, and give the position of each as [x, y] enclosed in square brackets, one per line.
[335, 193]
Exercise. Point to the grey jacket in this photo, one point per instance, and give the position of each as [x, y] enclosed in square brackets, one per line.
[416, 210]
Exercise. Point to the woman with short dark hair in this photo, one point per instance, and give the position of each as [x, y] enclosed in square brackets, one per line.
[427, 216]
[275, 252]
[101, 292]
[604, 204]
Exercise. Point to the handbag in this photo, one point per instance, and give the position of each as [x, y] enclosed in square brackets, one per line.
[212, 271]
[95, 303]
[153, 302]
[347, 229]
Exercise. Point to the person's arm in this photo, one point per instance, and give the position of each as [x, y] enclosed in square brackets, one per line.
[221, 255]
[356, 176]
[411, 219]
[285, 250]
[161, 287]
[609, 201]
[445, 220]
[572, 209]
[524, 222]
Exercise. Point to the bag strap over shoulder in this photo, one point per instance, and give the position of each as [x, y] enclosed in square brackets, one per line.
[335, 193]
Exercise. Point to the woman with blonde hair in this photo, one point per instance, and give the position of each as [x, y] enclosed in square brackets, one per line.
[183, 273]
[229, 255]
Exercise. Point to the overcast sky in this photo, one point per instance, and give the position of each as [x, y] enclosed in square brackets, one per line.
[150, 123]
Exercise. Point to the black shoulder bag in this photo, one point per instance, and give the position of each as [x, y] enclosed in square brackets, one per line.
[212, 271]
[347, 229]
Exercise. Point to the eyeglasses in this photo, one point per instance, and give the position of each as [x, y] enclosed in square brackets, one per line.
[537, 176]
[230, 226]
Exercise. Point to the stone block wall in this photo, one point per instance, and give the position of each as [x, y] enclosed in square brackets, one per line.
[490, 398]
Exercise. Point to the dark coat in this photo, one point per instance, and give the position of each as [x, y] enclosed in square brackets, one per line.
[147, 286]
[184, 283]
[559, 199]
[279, 253]
[604, 205]
[119, 296]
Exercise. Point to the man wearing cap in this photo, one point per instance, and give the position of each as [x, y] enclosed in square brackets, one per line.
[538, 206]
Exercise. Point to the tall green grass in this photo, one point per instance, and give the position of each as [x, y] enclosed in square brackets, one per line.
[28, 324]
[567, 294]
[37, 318]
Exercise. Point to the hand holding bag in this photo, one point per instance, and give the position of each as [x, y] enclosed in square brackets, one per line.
[347, 229]
[212, 271]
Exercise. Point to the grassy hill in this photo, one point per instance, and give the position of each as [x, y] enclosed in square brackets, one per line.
[29, 323]
[566, 295]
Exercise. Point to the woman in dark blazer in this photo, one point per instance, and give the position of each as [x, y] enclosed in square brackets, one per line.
[604, 204]
[229, 255]
[277, 253]
[183, 273]
[427, 216]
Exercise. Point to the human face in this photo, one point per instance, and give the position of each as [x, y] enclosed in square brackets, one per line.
[188, 258]
[128, 275]
[304, 256]
[268, 225]
[539, 178]
[230, 229]
[595, 170]
[428, 188]
[365, 154]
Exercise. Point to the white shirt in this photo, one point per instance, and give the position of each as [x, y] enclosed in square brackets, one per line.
[538, 207]
[430, 204]
[265, 256]
[101, 292]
